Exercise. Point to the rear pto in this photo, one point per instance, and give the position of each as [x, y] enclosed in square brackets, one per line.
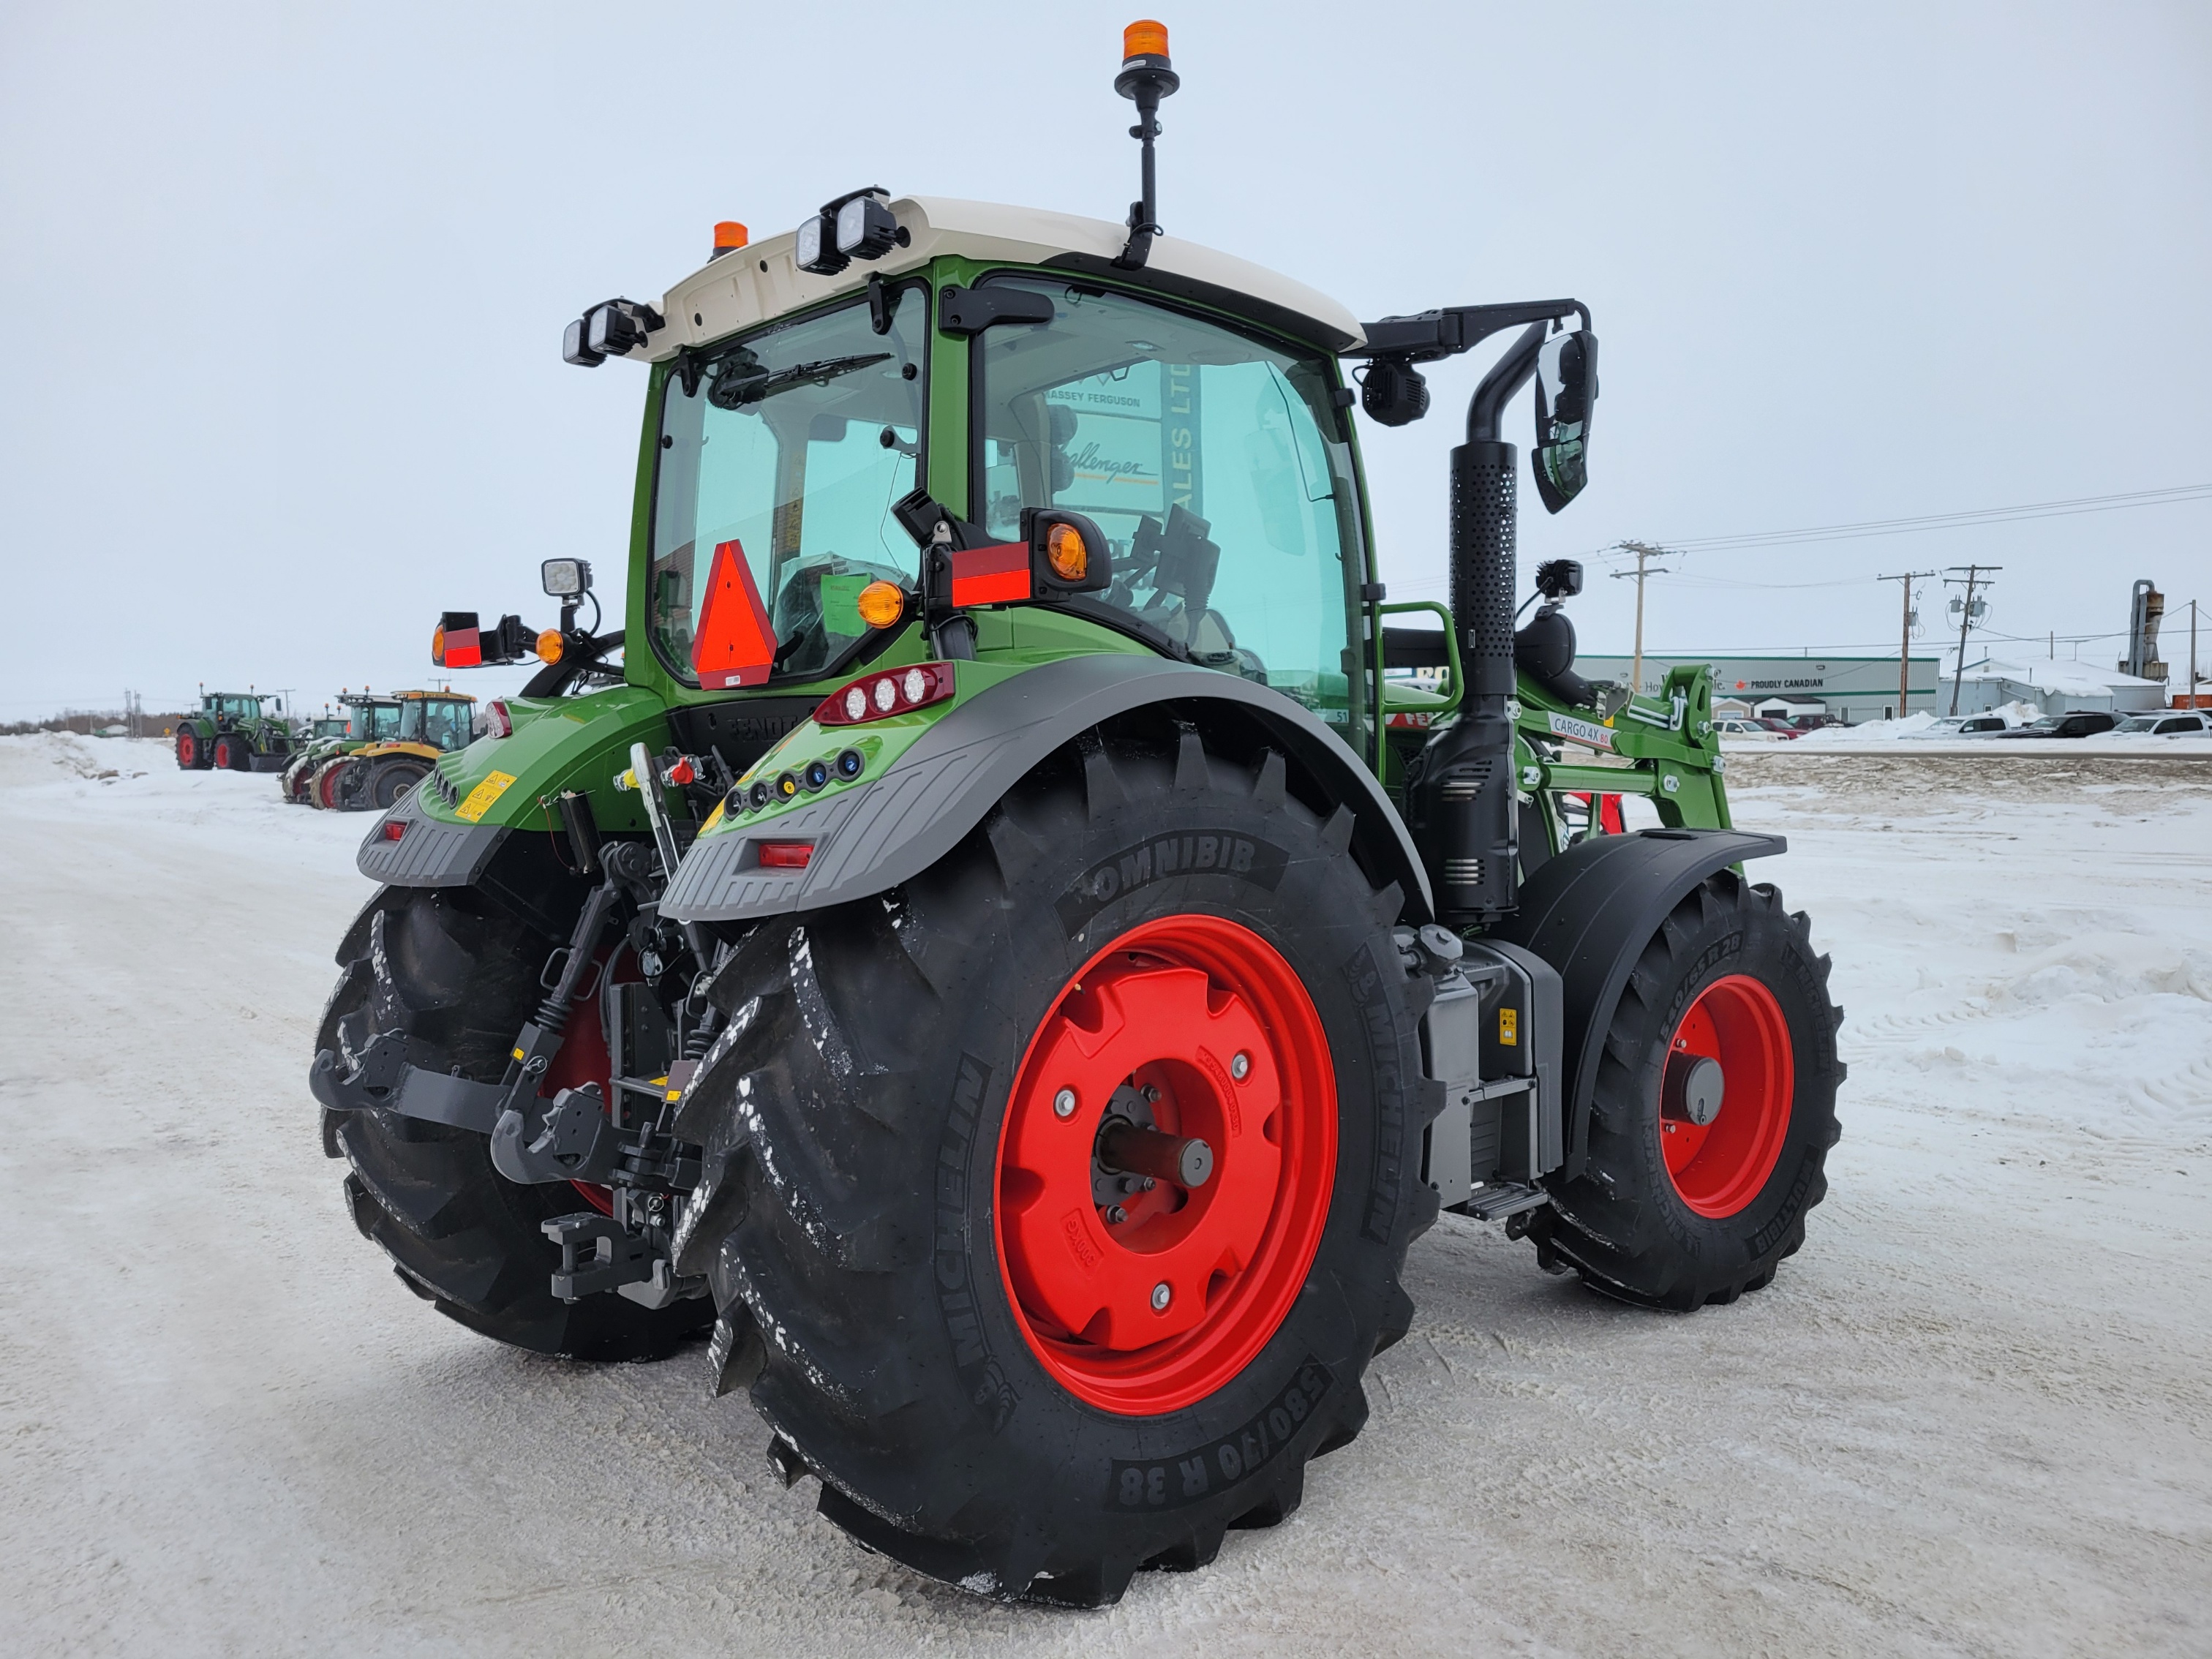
[235, 731]
[1010, 951]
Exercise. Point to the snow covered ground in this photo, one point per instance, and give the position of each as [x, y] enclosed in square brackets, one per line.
[1972, 1417]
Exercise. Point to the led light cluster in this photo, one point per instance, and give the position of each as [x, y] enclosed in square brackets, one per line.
[811, 779]
[893, 692]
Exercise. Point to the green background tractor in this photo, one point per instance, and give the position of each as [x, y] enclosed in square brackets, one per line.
[1015, 934]
[408, 733]
[235, 731]
[307, 779]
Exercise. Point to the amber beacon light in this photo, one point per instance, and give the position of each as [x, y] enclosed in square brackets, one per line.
[1144, 39]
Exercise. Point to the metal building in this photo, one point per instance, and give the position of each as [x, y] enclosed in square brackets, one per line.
[1846, 689]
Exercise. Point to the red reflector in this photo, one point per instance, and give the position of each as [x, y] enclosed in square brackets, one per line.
[498, 719]
[463, 649]
[786, 855]
[736, 642]
[997, 574]
[393, 831]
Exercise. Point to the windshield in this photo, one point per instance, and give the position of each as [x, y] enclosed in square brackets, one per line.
[235, 707]
[791, 446]
[376, 723]
[440, 723]
[1215, 464]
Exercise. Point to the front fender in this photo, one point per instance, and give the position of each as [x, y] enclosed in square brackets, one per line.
[1590, 911]
[869, 838]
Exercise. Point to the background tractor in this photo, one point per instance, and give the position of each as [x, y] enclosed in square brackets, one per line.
[408, 733]
[369, 718]
[235, 731]
[1027, 934]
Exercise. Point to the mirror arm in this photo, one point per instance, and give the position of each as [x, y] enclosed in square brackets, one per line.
[1510, 373]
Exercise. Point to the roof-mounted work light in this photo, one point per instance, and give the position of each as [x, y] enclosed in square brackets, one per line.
[612, 328]
[858, 225]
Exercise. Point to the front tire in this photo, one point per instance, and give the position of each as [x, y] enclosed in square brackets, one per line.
[958, 1340]
[1725, 1018]
[392, 779]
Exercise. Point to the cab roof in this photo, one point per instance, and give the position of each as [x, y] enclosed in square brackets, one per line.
[759, 282]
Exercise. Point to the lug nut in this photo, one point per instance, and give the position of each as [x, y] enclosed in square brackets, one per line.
[1161, 1296]
[1240, 1066]
[1063, 1104]
[1116, 1215]
[1151, 1093]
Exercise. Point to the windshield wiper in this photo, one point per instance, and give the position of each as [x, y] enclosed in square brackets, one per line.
[732, 393]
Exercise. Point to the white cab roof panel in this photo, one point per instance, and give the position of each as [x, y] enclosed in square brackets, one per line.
[759, 282]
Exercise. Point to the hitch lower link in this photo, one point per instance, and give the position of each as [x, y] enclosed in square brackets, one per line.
[539, 1142]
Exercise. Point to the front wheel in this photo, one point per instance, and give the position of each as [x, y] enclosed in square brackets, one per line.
[391, 781]
[1054, 1204]
[1714, 1110]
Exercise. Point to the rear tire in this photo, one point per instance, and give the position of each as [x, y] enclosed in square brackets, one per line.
[1669, 1213]
[863, 1120]
[456, 976]
[328, 787]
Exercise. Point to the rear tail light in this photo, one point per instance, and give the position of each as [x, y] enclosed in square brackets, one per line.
[786, 855]
[393, 831]
[499, 720]
[891, 691]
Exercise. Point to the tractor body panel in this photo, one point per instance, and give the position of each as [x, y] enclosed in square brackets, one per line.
[936, 774]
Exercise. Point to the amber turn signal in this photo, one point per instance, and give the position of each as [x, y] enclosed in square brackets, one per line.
[1144, 38]
[550, 646]
[881, 604]
[1064, 551]
[728, 234]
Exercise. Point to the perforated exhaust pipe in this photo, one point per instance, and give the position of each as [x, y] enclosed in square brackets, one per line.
[1463, 798]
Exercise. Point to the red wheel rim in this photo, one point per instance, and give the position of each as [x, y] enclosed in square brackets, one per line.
[1718, 1168]
[187, 750]
[1173, 1005]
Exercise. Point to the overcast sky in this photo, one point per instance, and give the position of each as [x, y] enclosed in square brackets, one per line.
[284, 285]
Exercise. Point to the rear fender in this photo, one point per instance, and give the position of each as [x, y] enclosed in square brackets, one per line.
[1590, 911]
[891, 828]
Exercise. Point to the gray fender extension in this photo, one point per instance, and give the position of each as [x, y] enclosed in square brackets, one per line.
[427, 854]
[890, 828]
[1590, 911]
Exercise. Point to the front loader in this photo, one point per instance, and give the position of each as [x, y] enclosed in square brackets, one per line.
[1016, 934]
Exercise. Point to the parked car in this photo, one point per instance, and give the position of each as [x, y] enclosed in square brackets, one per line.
[1963, 726]
[2082, 723]
[1737, 728]
[2183, 725]
[1779, 727]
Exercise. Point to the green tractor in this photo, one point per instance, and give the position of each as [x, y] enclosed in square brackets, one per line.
[1024, 936]
[403, 742]
[369, 718]
[236, 732]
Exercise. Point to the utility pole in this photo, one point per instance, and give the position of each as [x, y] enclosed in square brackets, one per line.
[1644, 554]
[1905, 641]
[1965, 619]
[2192, 653]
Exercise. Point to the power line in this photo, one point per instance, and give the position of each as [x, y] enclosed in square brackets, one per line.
[1751, 540]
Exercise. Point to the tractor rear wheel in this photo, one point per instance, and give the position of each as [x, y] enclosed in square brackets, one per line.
[458, 976]
[1016, 1363]
[1714, 1111]
[391, 779]
[328, 788]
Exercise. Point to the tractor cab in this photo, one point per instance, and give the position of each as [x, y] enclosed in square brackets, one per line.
[227, 708]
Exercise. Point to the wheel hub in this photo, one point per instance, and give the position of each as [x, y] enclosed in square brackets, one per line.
[1725, 1096]
[1155, 1232]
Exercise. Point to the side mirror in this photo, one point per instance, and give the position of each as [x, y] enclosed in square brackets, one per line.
[1566, 390]
[565, 578]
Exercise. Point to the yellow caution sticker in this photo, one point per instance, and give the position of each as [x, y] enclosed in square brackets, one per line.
[1509, 1027]
[481, 798]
